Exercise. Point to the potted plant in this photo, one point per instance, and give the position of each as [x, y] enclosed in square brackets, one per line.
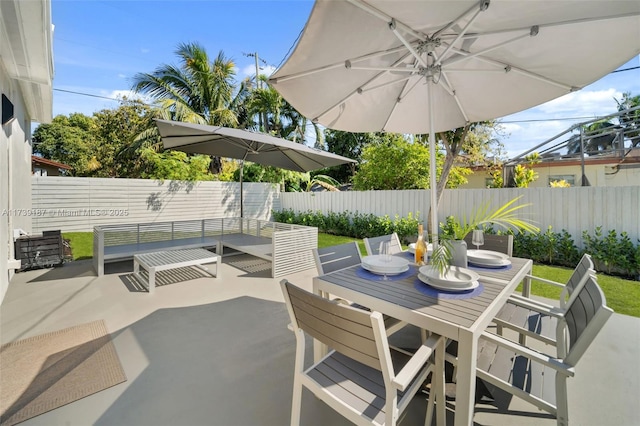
[454, 230]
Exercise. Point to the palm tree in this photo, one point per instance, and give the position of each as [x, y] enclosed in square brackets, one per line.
[198, 91]
[279, 117]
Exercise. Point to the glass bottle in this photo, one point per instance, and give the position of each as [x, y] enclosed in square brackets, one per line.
[421, 247]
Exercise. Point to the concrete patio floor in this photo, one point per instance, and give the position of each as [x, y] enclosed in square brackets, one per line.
[216, 351]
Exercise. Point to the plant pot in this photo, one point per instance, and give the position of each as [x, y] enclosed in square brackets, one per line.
[459, 253]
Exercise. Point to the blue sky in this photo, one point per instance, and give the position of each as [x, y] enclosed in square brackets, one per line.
[100, 45]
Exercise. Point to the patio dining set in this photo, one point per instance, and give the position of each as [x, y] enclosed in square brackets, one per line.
[354, 311]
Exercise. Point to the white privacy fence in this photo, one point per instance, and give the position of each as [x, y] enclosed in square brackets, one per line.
[574, 209]
[78, 204]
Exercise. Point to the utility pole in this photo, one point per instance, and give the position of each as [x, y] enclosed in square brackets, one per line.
[255, 55]
[261, 118]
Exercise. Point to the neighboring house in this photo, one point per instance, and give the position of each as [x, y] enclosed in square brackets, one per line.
[609, 171]
[26, 75]
[44, 167]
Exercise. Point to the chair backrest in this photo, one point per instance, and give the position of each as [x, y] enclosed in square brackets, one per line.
[343, 328]
[493, 242]
[373, 244]
[584, 267]
[586, 314]
[334, 258]
[577, 279]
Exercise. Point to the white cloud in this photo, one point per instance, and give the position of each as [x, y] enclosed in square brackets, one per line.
[119, 94]
[584, 103]
[250, 70]
[510, 127]
[144, 50]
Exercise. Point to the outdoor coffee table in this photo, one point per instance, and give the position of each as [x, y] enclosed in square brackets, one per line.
[172, 259]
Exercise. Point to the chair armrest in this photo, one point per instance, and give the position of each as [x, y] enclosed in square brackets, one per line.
[537, 306]
[544, 280]
[406, 375]
[555, 363]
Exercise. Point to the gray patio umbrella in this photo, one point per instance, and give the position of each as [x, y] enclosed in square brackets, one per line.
[244, 145]
[429, 66]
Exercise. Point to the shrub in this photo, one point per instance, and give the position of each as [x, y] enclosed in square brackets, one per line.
[612, 253]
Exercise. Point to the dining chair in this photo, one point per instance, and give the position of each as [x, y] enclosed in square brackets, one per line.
[527, 316]
[493, 242]
[341, 256]
[333, 258]
[539, 378]
[372, 244]
[361, 377]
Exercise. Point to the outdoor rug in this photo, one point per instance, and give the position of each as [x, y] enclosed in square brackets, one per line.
[41, 373]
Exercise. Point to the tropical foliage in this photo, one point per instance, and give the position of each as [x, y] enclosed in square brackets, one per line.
[504, 216]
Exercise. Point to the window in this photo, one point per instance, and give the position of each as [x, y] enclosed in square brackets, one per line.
[570, 179]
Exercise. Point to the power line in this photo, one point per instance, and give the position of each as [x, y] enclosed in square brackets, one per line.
[86, 94]
[626, 69]
[547, 119]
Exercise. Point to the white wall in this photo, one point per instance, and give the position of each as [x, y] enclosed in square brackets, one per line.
[573, 209]
[78, 204]
[15, 175]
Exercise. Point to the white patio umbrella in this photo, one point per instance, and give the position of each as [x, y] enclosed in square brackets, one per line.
[429, 66]
[244, 145]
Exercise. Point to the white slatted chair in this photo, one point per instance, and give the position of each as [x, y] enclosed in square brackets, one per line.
[539, 378]
[361, 377]
[527, 316]
[372, 245]
[341, 256]
[493, 242]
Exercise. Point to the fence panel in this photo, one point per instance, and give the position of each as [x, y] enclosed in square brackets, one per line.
[575, 209]
[78, 204]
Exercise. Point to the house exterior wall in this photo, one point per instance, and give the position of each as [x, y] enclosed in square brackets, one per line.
[15, 174]
[609, 175]
[26, 75]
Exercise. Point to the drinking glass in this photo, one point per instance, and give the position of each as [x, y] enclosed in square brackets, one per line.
[478, 238]
[385, 251]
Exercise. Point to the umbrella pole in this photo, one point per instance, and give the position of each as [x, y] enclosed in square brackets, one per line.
[241, 191]
[432, 166]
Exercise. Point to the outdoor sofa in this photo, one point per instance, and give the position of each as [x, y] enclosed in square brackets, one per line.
[288, 247]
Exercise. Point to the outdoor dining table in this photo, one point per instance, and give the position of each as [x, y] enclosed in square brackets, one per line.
[457, 316]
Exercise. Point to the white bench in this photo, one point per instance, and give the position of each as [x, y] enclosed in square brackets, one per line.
[172, 259]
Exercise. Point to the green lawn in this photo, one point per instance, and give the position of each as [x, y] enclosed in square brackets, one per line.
[81, 244]
[623, 296]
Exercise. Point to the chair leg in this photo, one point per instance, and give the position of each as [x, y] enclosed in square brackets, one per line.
[296, 402]
[562, 404]
[437, 391]
[440, 382]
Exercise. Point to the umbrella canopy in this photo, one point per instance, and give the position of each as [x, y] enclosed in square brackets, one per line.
[244, 145]
[431, 65]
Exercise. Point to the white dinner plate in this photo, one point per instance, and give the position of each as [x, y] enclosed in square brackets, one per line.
[486, 257]
[490, 265]
[377, 263]
[454, 276]
[427, 281]
[379, 271]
